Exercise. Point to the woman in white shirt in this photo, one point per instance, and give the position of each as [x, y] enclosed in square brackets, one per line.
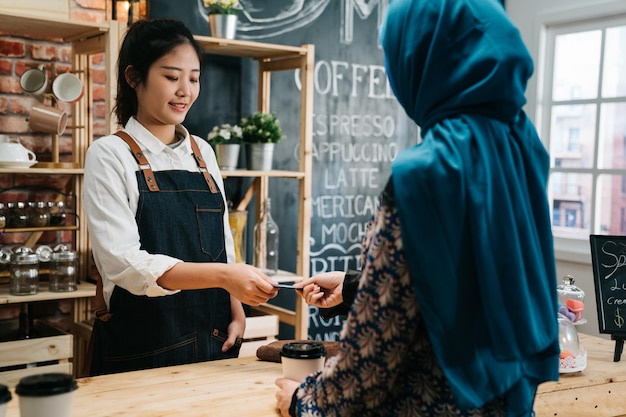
[158, 221]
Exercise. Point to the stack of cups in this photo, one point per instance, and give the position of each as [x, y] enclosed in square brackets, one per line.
[46, 395]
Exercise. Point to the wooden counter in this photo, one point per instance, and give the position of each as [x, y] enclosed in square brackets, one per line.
[245, 387]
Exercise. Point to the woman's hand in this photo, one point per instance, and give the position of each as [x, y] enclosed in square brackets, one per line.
[283, 397]
[323, 290]
[249, 285]
[237, 326]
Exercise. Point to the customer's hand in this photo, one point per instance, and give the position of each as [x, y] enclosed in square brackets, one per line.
[283, 397]
[323, 290]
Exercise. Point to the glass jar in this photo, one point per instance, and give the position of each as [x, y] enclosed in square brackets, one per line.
[237, 222]
[17, 215]
[24, 278]
[572, 358]
[63, 270]
[571, 300]
[266, 241]
[38, 215]
[3, 218]
[58, 213]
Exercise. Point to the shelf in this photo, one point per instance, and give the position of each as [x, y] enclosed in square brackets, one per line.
[85, 290]
[247, 49]
[48, 171]
[39, 229]
[239, 173]
[63, 29]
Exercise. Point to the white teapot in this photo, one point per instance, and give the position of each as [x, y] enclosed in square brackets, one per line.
[13, 151]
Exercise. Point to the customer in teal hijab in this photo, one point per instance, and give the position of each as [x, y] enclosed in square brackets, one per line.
[455, 311]
[472, 197]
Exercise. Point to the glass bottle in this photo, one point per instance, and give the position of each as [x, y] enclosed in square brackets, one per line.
[63, 270]
[266, 241]
[58, 213]
[24, 272]
[17, 215]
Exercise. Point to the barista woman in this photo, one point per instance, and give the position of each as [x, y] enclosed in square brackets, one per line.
[158, 221]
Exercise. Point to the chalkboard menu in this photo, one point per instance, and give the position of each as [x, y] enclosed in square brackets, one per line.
[358, 126]
[608, 255]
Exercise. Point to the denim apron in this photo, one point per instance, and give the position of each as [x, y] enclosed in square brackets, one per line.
[180, 214]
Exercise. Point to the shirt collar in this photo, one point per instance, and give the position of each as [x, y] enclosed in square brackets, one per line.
[151, 143]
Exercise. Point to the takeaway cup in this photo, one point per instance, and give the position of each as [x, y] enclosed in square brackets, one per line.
[5, 397]
[47, 119]
[67, 87]
[300, 359]
[46, 395]
[35, 81]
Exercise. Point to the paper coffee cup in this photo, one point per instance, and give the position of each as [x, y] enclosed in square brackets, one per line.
[46, 395]
[35, 81]
[300, 359]
[5, 397]
[47, 119]
[67, 87]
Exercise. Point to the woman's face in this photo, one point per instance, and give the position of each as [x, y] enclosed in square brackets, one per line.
[170, 88]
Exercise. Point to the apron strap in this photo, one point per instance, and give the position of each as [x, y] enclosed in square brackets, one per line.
[144, 165]
[202, 165]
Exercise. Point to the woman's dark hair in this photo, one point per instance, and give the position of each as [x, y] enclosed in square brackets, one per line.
[146, 41]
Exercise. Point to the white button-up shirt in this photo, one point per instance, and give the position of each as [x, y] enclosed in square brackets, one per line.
[110, 197]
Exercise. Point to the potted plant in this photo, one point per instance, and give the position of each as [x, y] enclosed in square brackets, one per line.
[226, 140]
[260, 132]
[222, 17]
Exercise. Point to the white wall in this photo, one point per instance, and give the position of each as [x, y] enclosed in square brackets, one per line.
[531, 16]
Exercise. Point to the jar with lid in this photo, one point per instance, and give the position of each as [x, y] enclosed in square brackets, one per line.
[63, 270]
[58, 213]
[24, 279]
[573, 357]
[571, 300]
[17, 216]
[38, 214]
[3, 217]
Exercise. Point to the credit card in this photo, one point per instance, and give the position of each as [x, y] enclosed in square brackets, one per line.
[288, 286]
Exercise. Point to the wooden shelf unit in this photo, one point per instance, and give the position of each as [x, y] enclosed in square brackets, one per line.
[86, 39]
[272, 58]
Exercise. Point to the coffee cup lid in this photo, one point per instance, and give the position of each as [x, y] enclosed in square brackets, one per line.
[42, 385]
[5, 394]
[303, 350]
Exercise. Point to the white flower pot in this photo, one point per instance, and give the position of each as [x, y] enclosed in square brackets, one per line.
[223, 25]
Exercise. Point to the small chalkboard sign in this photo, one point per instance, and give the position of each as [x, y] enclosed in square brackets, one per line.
[608, 257]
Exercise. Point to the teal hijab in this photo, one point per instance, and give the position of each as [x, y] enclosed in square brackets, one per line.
[472, 198]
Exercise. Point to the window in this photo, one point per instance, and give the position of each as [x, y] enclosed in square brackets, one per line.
[584, 126]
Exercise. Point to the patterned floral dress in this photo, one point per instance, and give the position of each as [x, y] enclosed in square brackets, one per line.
[387, 366]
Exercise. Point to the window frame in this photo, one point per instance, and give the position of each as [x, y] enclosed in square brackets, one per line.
[548, 26]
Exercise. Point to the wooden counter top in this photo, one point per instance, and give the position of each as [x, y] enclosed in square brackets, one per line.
[245, 387]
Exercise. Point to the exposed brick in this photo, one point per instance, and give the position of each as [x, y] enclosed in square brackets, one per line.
[44, 52]
[87, 15]
[92, 4]
[98, 76]
[97, 59]
[4, 105]
[14, 124]
[10, 48]
[64, 54]
[20, 105]
[98, 92]
[6, 66]
[10, 85]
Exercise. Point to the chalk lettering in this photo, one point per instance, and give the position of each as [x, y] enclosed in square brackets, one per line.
[346, 206]
[617, 286]
[351, 177]
[609, 248]
[616, 301]
[354, 125]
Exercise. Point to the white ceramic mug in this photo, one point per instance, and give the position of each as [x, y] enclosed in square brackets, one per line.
[15, 152]
[47, 119]
[35, 81]
[67, 87]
